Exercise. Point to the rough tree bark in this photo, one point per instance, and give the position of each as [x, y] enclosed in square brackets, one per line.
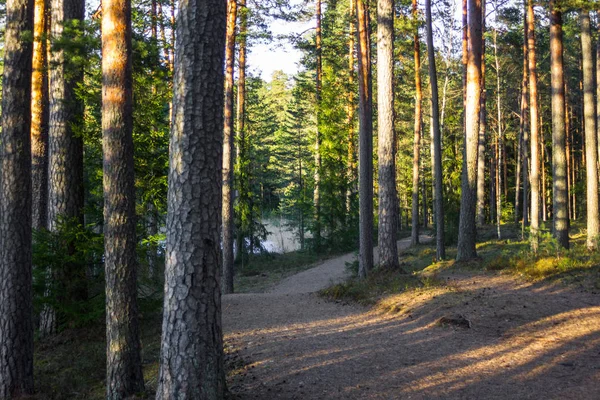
[388, 199]
[16, 328]
[598, 84]
[417, 130]
[65, 194]
[534, 130]
[482, 132]
[191, 360]
[241, 103]
[525, 124]
[124, 376]
[500, 138]
[65, 147]
[436, 144]
[467, 232]
[319, 80]
[365, 137]
[350, 112]
[39, 117]
[591, 138]
[228, 150]
[560, 210]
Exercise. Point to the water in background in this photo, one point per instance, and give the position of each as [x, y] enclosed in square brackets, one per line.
[281, 238]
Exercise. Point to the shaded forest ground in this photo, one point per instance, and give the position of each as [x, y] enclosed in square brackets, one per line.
[483, 330]
[455, 332]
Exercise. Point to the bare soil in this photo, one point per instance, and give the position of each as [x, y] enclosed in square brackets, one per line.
[478, 336]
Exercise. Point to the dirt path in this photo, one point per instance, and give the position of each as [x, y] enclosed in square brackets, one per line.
[525, 341]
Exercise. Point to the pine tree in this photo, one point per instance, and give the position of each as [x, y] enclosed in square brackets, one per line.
[388, 199]
[191, 361]
[228, 150]
[365, 140]
[124, 376]
[467, 232]
[559, 167]
[16, 328]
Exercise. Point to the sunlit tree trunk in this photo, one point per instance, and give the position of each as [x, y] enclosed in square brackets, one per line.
[16, 328]
[191, 359]
[39, 117]
[388, 199]
[598, 85]
[482, 132]
[591, 152]
[568, 151]
[500, 138]
[124, 376]
[525, 125]
[319, 78]
[534, 129]
[560, 199]
[350, 111]
[228, 150]
[241, 107]
[436, 140]
[417, 130]
[467, 232]
[518, 168]
[365, 137]
[544, 156]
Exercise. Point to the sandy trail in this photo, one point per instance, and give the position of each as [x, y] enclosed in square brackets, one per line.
[526, 341]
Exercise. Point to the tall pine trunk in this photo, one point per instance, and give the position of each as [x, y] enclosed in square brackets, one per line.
[65, 149]
[524, 124]
[66, 115]
[467, 232]
[598, 83]
[482, 132]
[417, 129]
[39, 117]
[386, 150]
[560, 199]
[191, 360]
[319, 80]
[350, 111]
[436, 140]
[365, 137]
[241, 112]
[228, 150]
[16, 328]
[534, 130]
[500, 139]
[124, 376]
[591, 138]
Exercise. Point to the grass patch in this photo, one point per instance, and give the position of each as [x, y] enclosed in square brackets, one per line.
[576, 265]
[265, 270]
[379, 284]
[508, 255]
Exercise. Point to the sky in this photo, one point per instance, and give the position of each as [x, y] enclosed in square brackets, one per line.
[280, 54]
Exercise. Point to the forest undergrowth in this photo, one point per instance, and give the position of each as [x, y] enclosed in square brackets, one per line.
[510, 255]
[70, 365]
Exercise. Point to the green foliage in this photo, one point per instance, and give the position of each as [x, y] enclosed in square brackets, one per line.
[67, 262]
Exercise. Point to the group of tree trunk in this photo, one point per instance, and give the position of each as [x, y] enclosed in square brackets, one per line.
[42, 174]
[42, 164]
